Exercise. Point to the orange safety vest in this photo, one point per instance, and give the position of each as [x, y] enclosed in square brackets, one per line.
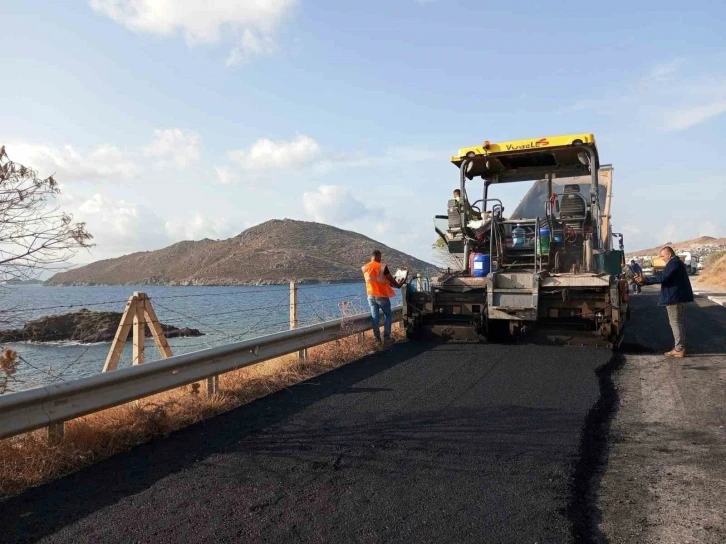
[376, 283]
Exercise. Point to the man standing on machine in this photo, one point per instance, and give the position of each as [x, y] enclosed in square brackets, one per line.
[471, 212]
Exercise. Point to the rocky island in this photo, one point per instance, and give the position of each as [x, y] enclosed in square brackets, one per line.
[274, 252]
[83, 326]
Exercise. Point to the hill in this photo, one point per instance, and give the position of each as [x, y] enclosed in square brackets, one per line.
[273, 252]
[701, 245]
[715, 272]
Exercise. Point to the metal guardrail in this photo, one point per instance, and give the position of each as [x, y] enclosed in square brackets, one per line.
[54, 404]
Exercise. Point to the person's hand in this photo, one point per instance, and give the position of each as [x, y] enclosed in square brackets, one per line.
[640, 280]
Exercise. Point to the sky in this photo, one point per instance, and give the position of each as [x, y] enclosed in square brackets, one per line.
[170, 120]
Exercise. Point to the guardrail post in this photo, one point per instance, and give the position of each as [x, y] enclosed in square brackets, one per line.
[212, 385]
[56, 431]
[302, 354]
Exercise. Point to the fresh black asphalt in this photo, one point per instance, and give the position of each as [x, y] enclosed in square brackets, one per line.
[422, 443]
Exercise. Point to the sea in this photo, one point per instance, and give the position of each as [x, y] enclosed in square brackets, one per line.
[224, 314]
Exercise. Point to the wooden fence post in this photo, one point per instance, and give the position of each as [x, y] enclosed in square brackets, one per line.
[293, 305]
[139, 329]
[122, 333]
[139, 314]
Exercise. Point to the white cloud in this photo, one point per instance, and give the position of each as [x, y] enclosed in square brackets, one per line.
[198, 227]
[175, 146]
[689, 116]
[662, 73]
[671, 96]
[334, 204]
[171, 147]
[252, 24]
[305, 153]
[266, 155]
[104, 163]
[120, 227]
[283, 155]
[251, 44]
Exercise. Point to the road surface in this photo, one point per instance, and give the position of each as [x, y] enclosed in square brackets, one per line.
[665, 478]
[448, 443]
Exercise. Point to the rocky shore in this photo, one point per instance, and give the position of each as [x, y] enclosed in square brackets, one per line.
[83, 326]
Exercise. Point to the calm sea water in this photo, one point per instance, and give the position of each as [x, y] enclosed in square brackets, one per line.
[224, 314]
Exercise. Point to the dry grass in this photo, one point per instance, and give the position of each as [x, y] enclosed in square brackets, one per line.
[715, 272]
[29, 459]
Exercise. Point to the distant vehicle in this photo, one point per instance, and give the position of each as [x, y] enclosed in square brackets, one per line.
[659, 264]
[690, 260]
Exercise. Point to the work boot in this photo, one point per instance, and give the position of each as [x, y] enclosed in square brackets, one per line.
[679, 354]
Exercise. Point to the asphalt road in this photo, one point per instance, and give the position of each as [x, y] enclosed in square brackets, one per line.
[665, 476]
[448, 443]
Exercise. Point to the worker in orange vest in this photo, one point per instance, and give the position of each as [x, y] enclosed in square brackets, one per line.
[379, 283]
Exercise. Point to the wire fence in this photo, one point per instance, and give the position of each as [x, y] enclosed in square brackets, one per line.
[221, 316]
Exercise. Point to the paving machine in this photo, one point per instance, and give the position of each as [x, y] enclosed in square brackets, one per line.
[546, 270]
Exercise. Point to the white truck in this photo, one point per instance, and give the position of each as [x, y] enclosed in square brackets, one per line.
[690, 260]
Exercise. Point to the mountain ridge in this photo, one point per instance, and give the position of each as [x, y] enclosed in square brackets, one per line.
[274, 252]
[702, 242]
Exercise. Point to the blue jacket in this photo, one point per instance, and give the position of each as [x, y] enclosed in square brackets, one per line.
[675, 285]
[636, 268]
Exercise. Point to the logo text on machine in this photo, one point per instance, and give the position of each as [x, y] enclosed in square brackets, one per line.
[542, 142]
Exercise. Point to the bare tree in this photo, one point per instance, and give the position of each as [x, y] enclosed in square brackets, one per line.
[34, 235]
[442, 258]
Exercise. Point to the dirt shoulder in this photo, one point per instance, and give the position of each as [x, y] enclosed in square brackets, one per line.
[665, 479]
[704, 288]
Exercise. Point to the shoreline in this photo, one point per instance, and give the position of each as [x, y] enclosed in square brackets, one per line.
[261, 283]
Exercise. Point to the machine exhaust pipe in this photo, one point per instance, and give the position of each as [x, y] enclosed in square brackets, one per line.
[587, 250]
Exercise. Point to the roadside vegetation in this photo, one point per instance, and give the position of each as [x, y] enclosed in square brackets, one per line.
[30, 459]
[714, 272]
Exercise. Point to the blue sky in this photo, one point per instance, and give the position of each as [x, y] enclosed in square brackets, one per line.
[164, 120]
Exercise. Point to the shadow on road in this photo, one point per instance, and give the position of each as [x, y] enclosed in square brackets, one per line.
[648, 332]
[44, 510]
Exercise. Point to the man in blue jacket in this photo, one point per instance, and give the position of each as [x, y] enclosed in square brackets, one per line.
[675, 292]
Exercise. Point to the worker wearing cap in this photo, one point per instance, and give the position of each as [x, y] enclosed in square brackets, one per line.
[635, 267]
[379, 288]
